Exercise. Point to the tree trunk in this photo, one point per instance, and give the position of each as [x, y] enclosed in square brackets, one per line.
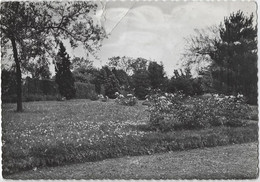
[18, 77]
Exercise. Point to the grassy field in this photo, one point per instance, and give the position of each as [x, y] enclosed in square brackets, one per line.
[239, 161]
[57, 133]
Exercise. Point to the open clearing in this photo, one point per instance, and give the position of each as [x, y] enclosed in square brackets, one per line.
[224, 162]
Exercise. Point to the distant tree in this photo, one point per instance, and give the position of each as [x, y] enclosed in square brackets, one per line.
[139, 64]
[81, 63]
[82, 70]
[38, 69]
[83, 75]
[200, 47]
[121, 63]
[107, 79]
[141, 83]
[64, 77]
[183, 81]
[123, 79]
[156, 75]
[128, 64]
[33, 29]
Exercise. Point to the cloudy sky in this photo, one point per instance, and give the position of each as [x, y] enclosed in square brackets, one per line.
[156, 30]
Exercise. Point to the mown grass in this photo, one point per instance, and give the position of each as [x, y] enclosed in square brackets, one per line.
[239, 161]
[55, 133]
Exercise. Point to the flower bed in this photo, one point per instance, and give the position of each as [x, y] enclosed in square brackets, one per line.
[172, 111]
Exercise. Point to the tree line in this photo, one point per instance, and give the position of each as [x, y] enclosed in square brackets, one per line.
[33, 30]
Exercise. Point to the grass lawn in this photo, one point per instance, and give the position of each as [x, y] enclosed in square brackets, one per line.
[55, 133]
[239, 161]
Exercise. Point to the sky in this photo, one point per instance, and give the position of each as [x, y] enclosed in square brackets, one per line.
[157, 30]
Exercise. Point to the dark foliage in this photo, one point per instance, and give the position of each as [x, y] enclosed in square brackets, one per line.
[8, 84]
[157, 75]
[235, 57]
[64, 77]
[84, 90]
[141, 83]
[185, 83]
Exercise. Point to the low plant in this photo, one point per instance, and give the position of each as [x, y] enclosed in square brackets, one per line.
[56, 133]
[173, 111]
[128, 100]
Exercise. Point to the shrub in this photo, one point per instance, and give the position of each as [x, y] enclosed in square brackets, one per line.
[9, 98]
[129, 100]
[93, 96]
[172, 111]
[84, 90]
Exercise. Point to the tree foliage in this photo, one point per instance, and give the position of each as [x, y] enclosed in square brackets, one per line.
[64, 77]
[107, 79]
[184, 82]
[156, 75]
[38, 69]
[235, 60]
[141, 83]
[33, 29]
[128, 64]
[232, 55]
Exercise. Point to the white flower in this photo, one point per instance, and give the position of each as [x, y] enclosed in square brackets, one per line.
[237, 43]
[100, 96]
[120, 96]
[240, 95]
[162, 97]
[232, 97]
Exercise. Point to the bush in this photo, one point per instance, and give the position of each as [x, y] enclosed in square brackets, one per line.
[93, 96]
[129, 100]
[84, 90]
[9, 98]
[173, 111]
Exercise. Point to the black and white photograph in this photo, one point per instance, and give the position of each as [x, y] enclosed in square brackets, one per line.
[129, 90]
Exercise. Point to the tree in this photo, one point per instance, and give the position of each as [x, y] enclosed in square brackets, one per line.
[39, 69]
[235, 59]
[128, 64]
[81, 63]
[107, 79]
[200, 47]
[121, 63]
[123, 79]
[232, 56]
[83, 75]
[141, 83]
[156, 75]
[82, 70]
[34, 29]
[64, 77]
[184, 82]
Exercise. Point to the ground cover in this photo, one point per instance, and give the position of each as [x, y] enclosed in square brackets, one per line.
[56, 133]
[239, 161]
